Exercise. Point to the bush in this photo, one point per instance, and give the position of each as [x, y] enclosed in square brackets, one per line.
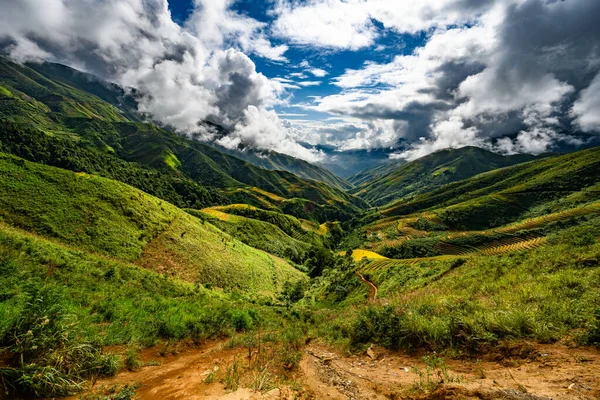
[50, 358]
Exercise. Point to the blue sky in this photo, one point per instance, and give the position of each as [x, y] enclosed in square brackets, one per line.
[334, 61]
[411, 77]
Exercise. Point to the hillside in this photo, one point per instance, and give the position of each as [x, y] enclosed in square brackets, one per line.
[507, 194]
[281, 162]
[387, 183]
[64, 111]
[110, 218]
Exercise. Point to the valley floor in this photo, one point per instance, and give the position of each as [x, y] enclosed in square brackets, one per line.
[522, 371]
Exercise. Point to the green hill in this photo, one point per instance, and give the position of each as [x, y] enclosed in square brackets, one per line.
[63, 110]
[387, 183]
[508, 194]
[281, 162]
[116, 220]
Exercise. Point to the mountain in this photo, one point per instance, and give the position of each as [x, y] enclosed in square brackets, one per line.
[507, 194]
[349, 162]
[368, 175]
[274, 161]
[63, 117]
[385, 184]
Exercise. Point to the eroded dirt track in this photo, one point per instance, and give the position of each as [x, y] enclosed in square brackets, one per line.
[541, 372]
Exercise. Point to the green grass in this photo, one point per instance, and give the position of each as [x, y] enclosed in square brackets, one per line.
[391, 182]
[259, 234]
[74, 106]
[116, 220]
[509, 194]
[59, 306]
[473, 303]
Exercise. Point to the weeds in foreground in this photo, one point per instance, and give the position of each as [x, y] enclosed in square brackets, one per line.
[116, 392]
[52, 360]
[232, 376]
[435, 374]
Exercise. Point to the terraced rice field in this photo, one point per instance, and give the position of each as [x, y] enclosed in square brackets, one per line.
[359, 254]
[270, 195]
[491, 249]
[378, 265]
[536, 222]
[217, 214]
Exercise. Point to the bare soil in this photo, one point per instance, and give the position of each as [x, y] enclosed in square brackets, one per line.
[520, 372]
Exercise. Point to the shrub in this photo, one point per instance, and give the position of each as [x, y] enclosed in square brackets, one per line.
[51, 358]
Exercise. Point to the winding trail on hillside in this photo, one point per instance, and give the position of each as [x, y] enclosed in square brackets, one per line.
[372, 288]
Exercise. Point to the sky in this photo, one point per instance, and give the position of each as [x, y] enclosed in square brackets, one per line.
[296, 76]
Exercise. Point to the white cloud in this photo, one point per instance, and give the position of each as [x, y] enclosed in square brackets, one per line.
[309, 83]
[184, 75]
[586, 109]
[264, 130]
[348, 24]
[329, 23]
[318, 72]
[513, 70]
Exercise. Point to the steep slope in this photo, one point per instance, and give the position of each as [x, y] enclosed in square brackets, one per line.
[116, 220]
[281, 162]
[385, 184]
[369, 175]
[53, 99]
[504, 195]
[350, 162]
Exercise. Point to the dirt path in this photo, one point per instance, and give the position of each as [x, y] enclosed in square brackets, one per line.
[547, 372]
[372, 288]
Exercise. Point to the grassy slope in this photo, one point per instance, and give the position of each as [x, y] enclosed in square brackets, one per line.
[508, 194]
[258, 234]
[282, 162]
[471, 303]
[56, 101]
[115, 301]
[114, 219]
[386, 184]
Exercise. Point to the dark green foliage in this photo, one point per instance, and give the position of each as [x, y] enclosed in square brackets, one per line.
[593, 336]
[65, 153]
[275, 161]
[415, 248]
[508, 194]
[317, 260]
[293, 292]
[167, 165]
[426, 225]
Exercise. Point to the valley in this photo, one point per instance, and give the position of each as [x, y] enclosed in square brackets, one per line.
[138, 261]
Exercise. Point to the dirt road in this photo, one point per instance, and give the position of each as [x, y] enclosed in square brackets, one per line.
[541, 372]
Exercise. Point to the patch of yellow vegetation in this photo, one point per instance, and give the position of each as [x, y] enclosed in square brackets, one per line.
[322, 229]
[359, 254]
[240, 206]
[270, 195]
[217, 214]
[309, 225]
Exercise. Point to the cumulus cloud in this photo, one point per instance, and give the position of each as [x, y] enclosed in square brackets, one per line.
[348, 24]
[184, 74]
[586, 109]
[510, 75]
[527, 69]
[264, 130]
